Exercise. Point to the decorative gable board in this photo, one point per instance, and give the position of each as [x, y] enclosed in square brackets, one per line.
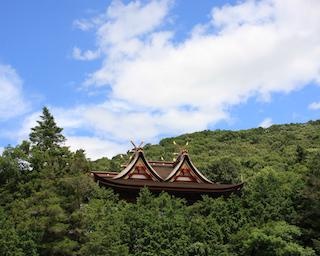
[140, 171]
[185, 174]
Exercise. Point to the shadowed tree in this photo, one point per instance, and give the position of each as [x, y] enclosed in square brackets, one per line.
[309, 208]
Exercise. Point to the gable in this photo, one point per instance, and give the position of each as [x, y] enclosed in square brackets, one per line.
[140, 171]
[185, 174]
[185, 171]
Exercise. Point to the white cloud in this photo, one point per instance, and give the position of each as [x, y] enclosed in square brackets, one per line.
[95, 147]
[314, 105]
[126, 22]
[23, 132]
[1, 150]
[83, 24]
[86, 55]
[98, 143]
[88, 24]
[256, 48]
[268, 52]
[163, 87]
[249, 12]
[122, 125]
[64, 118]
[12, 102]
[109, 127]
[267, 122]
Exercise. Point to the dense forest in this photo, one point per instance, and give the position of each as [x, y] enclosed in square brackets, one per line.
[49, 205]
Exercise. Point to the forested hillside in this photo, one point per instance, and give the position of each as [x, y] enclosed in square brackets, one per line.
[49, 205]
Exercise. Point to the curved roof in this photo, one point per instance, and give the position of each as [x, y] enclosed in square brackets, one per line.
[169, 186]
[139, 155]
[163, 176]
[184, 158]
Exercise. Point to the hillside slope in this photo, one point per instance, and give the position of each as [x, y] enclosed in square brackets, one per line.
[49, 204]
[283, 147]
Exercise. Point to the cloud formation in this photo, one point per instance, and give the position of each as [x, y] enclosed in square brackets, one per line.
[95, 147]
[12, 102]
[314, 105]
[86, 55]
[267, 122]
[163, 87]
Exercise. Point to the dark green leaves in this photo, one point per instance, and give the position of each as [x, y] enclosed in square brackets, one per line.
[49, 205]
[46, 135]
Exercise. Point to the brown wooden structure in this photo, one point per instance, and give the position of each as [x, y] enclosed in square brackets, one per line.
[180, 178]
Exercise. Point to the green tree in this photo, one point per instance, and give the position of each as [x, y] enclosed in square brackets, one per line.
[103, 225]
[47, 204]
[271, 195]
[47, 150]
[309, 207]
[156, 225]
[224, 170]
[9, 239]
[46, 134]
[271, 239]
[301, 154]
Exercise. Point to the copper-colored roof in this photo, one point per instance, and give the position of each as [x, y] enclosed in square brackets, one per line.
[184, 158]
[138, 156]
[168, 186]
[152, 162]
[163, 171]
[105, 174]
[163, 176]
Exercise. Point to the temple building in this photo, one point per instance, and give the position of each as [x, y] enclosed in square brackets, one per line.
[180, 178]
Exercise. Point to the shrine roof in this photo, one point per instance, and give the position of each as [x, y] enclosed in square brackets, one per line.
[163, 171]
[178, 176]
[174, 186]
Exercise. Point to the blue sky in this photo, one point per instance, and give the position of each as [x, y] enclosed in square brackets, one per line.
[112, 71]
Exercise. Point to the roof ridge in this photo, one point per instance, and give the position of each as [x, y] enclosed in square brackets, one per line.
[138, 155]
[184, 156]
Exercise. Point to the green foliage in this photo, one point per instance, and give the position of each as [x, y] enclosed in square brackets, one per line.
[9, 240]
[46, 134]
[224, 170]
[301, 154]
[49, 205]
[103, 225]
[270, 195]
[271, 239]
[156, 226]
[309, 207]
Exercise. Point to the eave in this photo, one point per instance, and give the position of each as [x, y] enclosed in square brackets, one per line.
[189, 187]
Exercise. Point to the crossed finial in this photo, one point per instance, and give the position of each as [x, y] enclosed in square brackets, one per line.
[135, 148]
[182, 149]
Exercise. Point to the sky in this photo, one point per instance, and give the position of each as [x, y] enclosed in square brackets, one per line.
[115, 71]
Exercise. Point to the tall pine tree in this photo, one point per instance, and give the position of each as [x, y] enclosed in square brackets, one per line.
[46, 135]
[49, 156]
